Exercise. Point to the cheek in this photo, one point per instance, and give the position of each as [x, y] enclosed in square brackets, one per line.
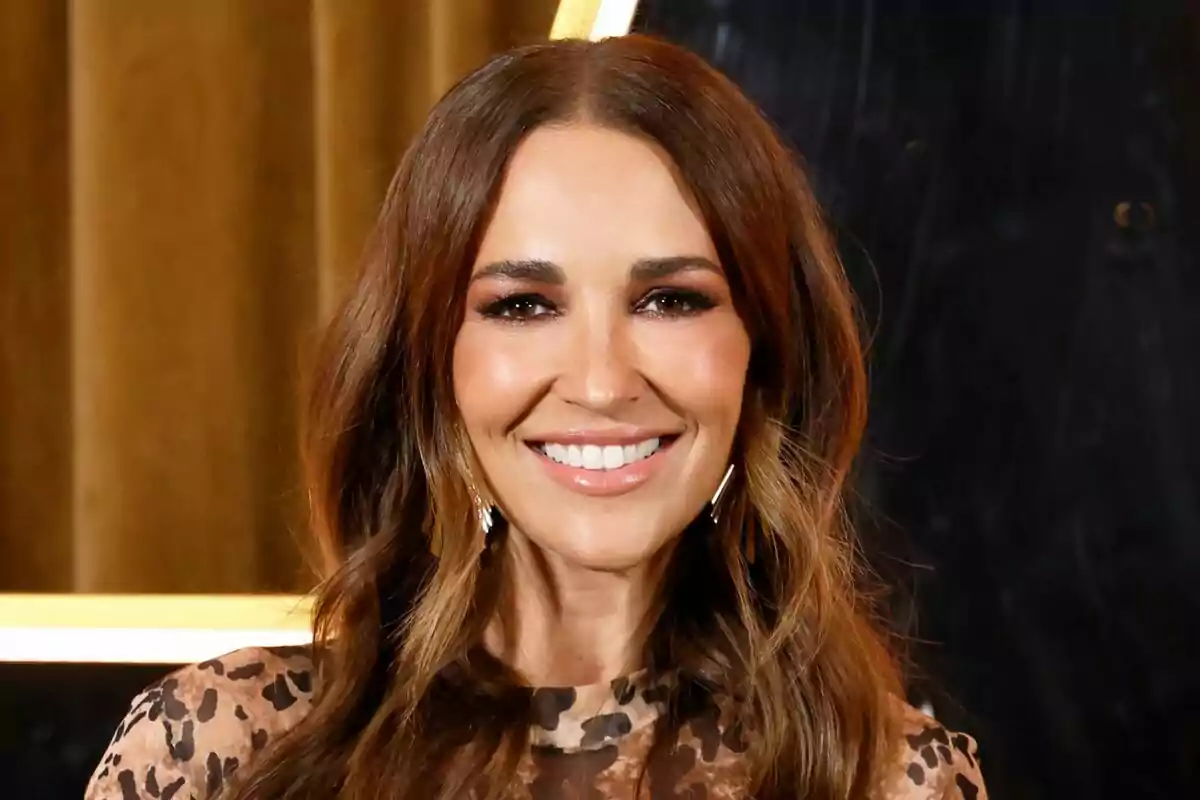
[702, 367]
[496, 376]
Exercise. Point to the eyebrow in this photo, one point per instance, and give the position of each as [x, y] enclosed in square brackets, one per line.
[644, 269]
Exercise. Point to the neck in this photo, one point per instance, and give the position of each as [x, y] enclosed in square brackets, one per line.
[560, 624]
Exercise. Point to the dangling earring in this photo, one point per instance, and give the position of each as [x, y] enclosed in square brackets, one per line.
[748, 537]
[712, 505]
[485, 517]
[487, 523]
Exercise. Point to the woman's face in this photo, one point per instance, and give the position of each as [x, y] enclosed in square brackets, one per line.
[600, 367]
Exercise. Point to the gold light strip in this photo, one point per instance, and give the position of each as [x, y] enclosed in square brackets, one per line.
[592, 19]
[152, 629]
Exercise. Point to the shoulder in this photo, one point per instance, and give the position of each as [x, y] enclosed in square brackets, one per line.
[933, 763]
[185, 735]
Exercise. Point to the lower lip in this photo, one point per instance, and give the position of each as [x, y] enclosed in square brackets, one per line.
[604, 482]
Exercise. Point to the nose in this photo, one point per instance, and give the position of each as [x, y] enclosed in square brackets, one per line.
[600, 365]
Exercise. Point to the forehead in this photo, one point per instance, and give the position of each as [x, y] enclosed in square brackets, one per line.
[580, 193]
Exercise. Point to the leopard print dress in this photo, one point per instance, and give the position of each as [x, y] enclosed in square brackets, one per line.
[186, 735]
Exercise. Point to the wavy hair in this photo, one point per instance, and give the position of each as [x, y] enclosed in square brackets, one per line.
[409, 704]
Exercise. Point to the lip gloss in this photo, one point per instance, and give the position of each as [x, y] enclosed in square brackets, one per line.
[604, 482]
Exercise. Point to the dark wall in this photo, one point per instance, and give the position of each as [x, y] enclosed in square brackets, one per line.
[1015, 186]
[57, 719]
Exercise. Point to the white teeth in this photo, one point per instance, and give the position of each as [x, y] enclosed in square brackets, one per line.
[593, 457]
[614, 456]
[556, 452]
[596, 457]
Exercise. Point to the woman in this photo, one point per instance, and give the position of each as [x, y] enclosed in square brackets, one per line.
[584, 426]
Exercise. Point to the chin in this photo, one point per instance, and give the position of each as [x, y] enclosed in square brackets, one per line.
[608, 562]
[602, 554]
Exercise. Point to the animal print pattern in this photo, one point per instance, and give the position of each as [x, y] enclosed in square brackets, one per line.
[576, 717]
[186, 735]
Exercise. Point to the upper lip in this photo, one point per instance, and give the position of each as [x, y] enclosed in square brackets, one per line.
[617, 436]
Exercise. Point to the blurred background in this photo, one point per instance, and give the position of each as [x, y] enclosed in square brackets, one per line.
[185, 188]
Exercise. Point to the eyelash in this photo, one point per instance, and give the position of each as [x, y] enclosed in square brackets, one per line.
[522, 307]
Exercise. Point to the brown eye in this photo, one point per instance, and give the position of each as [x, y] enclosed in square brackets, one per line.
[518, 308]
[674, 303]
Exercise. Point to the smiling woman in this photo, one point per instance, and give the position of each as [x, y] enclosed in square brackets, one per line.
[623, 340]
[576, 454]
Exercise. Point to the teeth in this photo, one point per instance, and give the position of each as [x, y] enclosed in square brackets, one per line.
[591, 456]
[614, 456]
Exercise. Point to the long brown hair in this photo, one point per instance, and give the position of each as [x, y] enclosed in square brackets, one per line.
[409, 705]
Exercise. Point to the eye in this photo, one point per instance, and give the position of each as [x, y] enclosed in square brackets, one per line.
[674, 303]
[518, 308]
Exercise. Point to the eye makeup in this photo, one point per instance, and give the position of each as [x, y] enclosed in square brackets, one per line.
[674, 302]
[517, 307]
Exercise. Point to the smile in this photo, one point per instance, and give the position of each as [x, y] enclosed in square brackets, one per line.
[600, 457]
[602, 468]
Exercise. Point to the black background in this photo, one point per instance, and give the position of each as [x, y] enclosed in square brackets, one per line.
[56, 720]
[1015, 186]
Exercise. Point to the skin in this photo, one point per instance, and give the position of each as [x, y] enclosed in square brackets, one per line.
[624, 323]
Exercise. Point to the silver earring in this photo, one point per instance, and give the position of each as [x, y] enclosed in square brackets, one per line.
[487, 523]
[485, 516]
[712, 506]
[483, 511]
